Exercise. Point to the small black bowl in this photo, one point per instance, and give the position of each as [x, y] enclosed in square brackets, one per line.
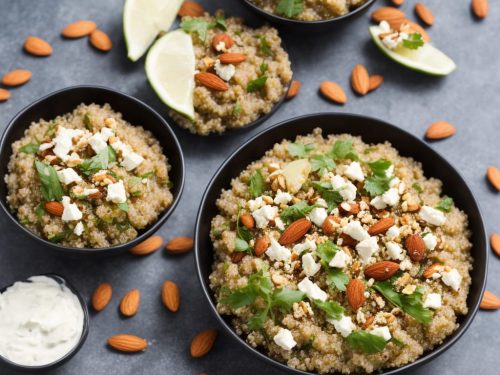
[5, 363]
[371, 131]
[133, 110]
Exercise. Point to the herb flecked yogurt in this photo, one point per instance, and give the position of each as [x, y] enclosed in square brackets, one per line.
[40, 321]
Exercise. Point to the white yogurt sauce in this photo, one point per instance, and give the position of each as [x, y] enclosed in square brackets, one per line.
[40, 321]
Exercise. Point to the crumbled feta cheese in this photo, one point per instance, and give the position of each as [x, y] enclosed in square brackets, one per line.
[391, 197]
[340, 260]
[282, 197]
[309, 266]
[452, 278]
[321, 202]
[432, 216]
[306, 245]
[89, 191]
[433, 301]
[284, 339]
[78, 229]
[71, 211]
[97, 143]
[356, 231]
[382, 332]
[68, 176]
[346, 188]
[318, 216]
[405, 265]
[64, 141]
[367, 248]
[264, 214]
[131, 161]
[312, 290]
[278, 252]
[384, 25]
[120, 147]
[378, 203]
[392, 232]
[430, 241]
[45, 146]
[394, 250]
[225, 71]
[106, 133]
[116, 193]
[344, 325]
[255, 204]
[354, 172]
[279, 223]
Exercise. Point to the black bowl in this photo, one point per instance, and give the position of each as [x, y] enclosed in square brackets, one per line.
[5, 363]
[310, 26]
[371, 131]
[132, 109]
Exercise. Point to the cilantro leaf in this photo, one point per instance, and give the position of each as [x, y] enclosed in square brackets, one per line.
[241, 245]
[297, 211]
[123, 206]
[326, 251]
[257, 84]
[414, 41]
[201, 26]
[445, 204]
[264, 46]
[417, 187]
[257, 321]
[51, 187]
[337, 278]
[290, 8]
[257, 184]
[322, 163]
[30, 148]
[380, 167]
[331, 308]
[98, 162]
[299, 150]
[343, 150]
[365, 342]
[379, 182]
[331, 196]
[285, 298]
[40, 211]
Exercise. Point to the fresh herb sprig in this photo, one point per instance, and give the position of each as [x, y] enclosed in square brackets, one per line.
[379, 182]
[201, 26]
[299, 150]
[334, 276]
[413, 41]
[51, 187]
[296, 212]
[98, 162]
[331, 196]
[290, 8]
[257, 184]
[365, 342]
[259, 83]
[445, 204]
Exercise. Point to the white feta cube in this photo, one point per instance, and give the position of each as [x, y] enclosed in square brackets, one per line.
[116, 193]
[391, 197]
[64, 141]
[225, 71]
[430, 241]
[279, 223]
[312, 290]
[382, 332]
[433, 301]
[345, 188]
[255, 204]
[282, 197]
[97, 143]
[356, 231]
[278, 252]
[309, 266]
[106, 133]
[452, 278]
[318, 216]
[392, 232]
[71, 211]
[131, 161]
[264, 214]
[45, 146]
[344, 325]
[378, 202]
[405, 265]
[306, 245]
[68, 176]
[432, 215]
[367, 248]
[354, 172]
[78, 229]
[394, 250]
[340, 260]
[284, 339]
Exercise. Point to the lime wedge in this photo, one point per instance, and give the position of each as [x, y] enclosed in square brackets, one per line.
[170, 65]
[426, 59]
[143, 20]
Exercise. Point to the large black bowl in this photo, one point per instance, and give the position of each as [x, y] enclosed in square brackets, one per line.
[133, 111]
[371, 131]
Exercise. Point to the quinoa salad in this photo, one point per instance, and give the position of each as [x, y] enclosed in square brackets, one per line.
[249, 68]
[87, 178]
[333, 255]
[309, 10]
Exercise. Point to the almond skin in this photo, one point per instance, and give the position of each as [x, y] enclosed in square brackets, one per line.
[4, 95]
[368, 322]
[490, 301]
[100, 40]
[79, 29]
[211, 81]
[388, 14]
[248, 221]
[148, 246]
[431, 270]
[397, 2]
[170, 295]
[222, 37]
[375, 82]
[127, 343]
[191, 8]
[101, 296]
[348, 240]
[440, 130]
[179, 245]
[355, 293]
[416, 247]
[294, 89]
[54, 208]
[424, 13]
[261, 245]
[333, 92]
[353, 209]
[493, 175]
[360, 81]
[130, 303]
[96, 195]
[295, 231]
[37, 46]
[16, 77]
[480, 8]
[329, 226]
[203, 342]
[381, 271]
[381, 226]
[237, 256]
[232, 58]
[495, 243]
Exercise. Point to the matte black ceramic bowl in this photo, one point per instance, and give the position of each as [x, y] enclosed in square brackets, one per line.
[371, 131]
[5, 363]
[133, 111]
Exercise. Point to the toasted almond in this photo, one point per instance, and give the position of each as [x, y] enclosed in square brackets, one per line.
[360, 81]
[103, 177]
[148, 246]
[495, 243]
[490, 301]
[79, 29]
[100, 40]
[211, 81]
[330, 224]
[397, 2]
[101, 296]
[130, 302]
[381, 226]
[388, 14]
[232, 58]
[248, 221]
[192, 9]
[261, 245]
[353, 208]
[127, 343]
[348, 240]
[333, 92]
[222, 37]
[16, 77]
[96, 195]
[355, 293]
[179, 245]
[374, 82]
[54, 208]
[237, 256]
[440, 130]
[369, 321]
[170, 295]
[493, 175]
[381, 271]
[295, 231]
[416, 247]
[294, 89]
[431, 270]
[424, 13]
[203, 342]
[4, 95]
[37, 46]
[480, 8]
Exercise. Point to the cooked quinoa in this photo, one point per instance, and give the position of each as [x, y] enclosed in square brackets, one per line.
[311, 10]
[87, 178]
[313, 301]
[254, 86]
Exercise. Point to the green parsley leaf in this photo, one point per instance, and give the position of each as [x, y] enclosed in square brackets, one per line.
[30, 148]
[264, 46]
[285, 298]
[219, 23]
[290, 8]
[297, 211]
[331, 196]
[257, 321]
[378, 183]
[298, 150]
[123, 206]
[414, 41]
[201, 26]
[331, 308]
[257, 84]
[337, 278]
[326, 251]
[445, 204]
[259, 285]
[417, 187]
[40, 211]
[98, 162]
[370, 149]
[86, 121]
[380, 167]
[51, 187]
[343, 150]
[236, 109]
[322, 163]
[257, 184]
[147, 174]
[365, 342]
[240, 297]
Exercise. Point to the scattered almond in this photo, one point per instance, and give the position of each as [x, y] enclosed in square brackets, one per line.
[248, 221]
[495, 243]
[232, 58]
[192, 9]
[79, 29]
[360, 80]
[295, 231]
[54, 208]
[237, 256]
[211, 81]
[148, 246]
[381, 226]
[493, 175]
[16, 77]
[101, 296]
[381, 271]
[353, 208]
[4, 95]
[100, 40]
[330, 224]
[389, 14]
[375, 82]
[333, 92]
[480, 8]
[440, 130]
[37, 46]
[222, 37]
[127, 343]
[261, 245]
[203, 342]
[490, 301]
[170, 295]
[348, 240]
[130, 302]
[416, 247]
[397, 2]
[369, 321]
[179, 245]
[294, 89]
[355, 293]
[431, 270]
[424, 13]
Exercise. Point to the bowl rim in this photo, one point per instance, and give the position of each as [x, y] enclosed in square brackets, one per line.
[115, 248]
[61, 280]
[427, 356]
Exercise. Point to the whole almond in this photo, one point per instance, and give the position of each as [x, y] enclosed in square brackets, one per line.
[127, 343]
[96, 195]
[374, 82]
[495, 243]
[130, 302]
[493, 175]
[16, 77]
[355, 293]
[4, 95]
[348, 240]
[211, 81]
[480, 8]
[330, 224]
[416, 247]
[79, 29]
[170, 295]
[192, 9]
[431, 270]
[54, 208]
[237, 256]
[389, 14]
[333, 92]
[261, 245]
[360, 81]
[440, 130]
[294, 89]
[295, 231]
[232, 58]
[397, 2]
[381, 271]
[222, 37]
[37, 46]
[203, 342]
[381, 226]
[101, 296]
[424, 13]
[248, 221]
[179, 245]
[490, 301]
[148, 246]
[353, 208]
[100, 40]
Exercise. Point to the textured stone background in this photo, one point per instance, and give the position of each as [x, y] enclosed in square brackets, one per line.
[469, 98]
